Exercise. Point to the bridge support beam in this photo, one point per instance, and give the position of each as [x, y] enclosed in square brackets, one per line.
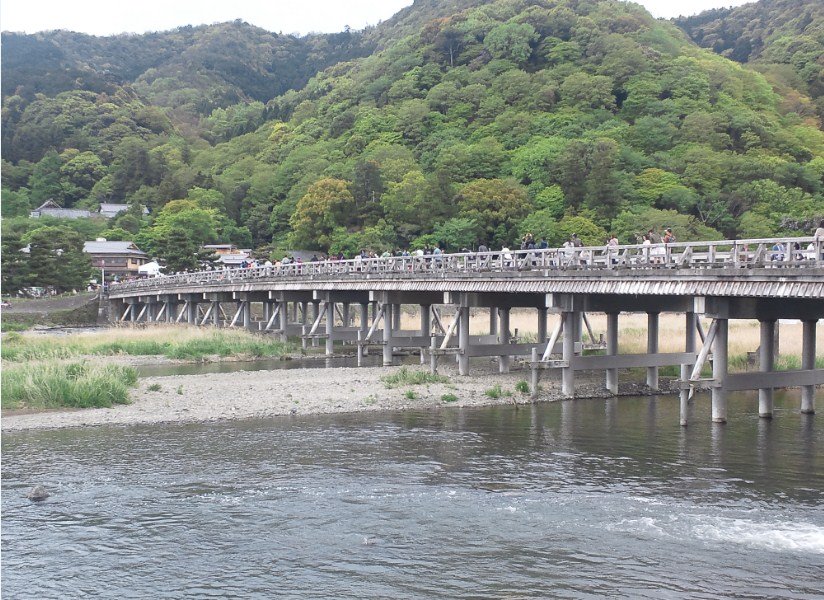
[315, 315]
[387, 333]
[808, 362]
[542, 321]
[426, 327]
[330, 328]
[463, 341]
[652, 348]
[690, 331]
[247, 314]
[283, 320]
[570, 319]
[504, 338]
[719, 371]
[363, 326]
[612, 350]
[131, 314]
[493, 321]
[396, 317]
[766, 363]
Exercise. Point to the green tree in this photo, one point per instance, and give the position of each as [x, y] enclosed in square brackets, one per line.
[551, 199]
[181, 221]
[512, 41]
[15, 203]
[635, 222]
[208, 199]
[591, 233]
[116, 234]
[535, 161]
[588, 91]
[56, 259]
[81, 171]
[15, 271]
[327, 205]
[179, 249]
[498, 205]
[542, 224]
[44, 182]
[456, 234]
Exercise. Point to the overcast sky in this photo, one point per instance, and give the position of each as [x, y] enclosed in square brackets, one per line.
[107, 17]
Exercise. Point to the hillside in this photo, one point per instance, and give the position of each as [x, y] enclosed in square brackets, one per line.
[469, 121]
[189, 71]
[782, 38]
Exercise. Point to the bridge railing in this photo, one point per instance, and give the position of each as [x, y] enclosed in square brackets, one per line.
[778, 253]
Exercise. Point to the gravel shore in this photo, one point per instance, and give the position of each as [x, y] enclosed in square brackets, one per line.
[256, 394]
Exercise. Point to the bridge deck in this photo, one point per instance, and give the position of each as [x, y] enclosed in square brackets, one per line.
[747, 268]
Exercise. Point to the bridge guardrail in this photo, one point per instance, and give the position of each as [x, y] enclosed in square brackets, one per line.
[778, 253]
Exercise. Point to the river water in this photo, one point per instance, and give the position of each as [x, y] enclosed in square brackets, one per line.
[583, 499]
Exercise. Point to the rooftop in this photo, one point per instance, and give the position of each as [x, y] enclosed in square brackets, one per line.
[97, 247]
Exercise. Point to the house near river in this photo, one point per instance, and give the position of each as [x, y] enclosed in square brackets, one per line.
[117, 258]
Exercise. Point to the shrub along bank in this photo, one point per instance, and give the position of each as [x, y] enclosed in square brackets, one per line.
[77, 384]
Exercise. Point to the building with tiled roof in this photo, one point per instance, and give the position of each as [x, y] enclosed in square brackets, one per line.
[122, 258]
[50, 208]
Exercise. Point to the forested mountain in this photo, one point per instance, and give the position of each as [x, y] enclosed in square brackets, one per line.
[781, 38]
[468, 120]
[189, 71]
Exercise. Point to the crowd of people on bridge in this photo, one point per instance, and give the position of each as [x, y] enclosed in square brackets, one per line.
[571, 252]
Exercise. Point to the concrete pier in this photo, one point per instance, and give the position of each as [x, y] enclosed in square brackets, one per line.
[330, 328]
[652, 348]
[463, 341]
[690, 335]
[612, 350]
[766, 363]
[719, 372]
[808, 364]
[568, 370]
[504, 338]
[387, 334]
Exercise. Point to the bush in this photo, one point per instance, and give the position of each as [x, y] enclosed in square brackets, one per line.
[494, 392]
[449, 398]
[80, 385]
[406, 377]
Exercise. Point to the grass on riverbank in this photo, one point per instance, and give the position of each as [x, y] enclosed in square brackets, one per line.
[177, 342]
[404, 376]
[76, 385]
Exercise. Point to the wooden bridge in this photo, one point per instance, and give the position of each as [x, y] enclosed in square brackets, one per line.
[763, 279]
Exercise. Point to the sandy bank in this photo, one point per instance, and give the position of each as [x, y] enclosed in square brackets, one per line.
[256, 394]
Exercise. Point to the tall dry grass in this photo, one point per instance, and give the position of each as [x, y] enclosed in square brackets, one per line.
[173, 341]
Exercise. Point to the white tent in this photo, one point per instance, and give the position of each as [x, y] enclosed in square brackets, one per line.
[150, 269]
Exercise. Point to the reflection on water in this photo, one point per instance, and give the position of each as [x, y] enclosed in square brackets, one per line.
[596, 498]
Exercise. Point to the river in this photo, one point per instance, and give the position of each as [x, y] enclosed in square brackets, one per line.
[583, 499]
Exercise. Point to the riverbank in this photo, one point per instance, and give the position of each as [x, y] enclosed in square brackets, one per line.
[263, 394]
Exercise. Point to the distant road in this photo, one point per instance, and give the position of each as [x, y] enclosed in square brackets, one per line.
[49, 304]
